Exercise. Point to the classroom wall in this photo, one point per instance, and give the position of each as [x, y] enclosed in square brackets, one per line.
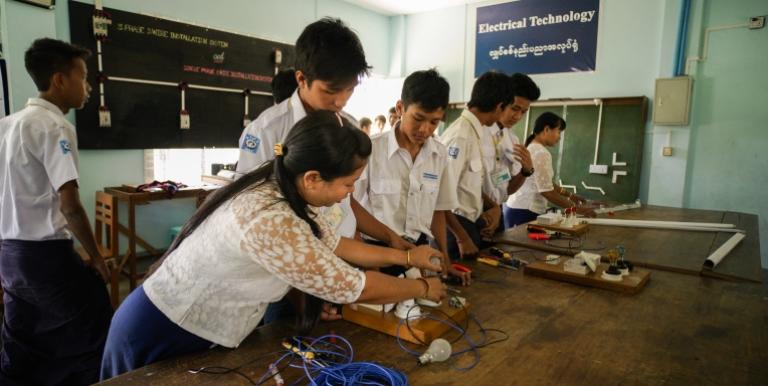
[727, 164]
[275, 20]
[637, 41]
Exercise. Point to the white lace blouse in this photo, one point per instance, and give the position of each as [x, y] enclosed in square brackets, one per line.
[249, 252]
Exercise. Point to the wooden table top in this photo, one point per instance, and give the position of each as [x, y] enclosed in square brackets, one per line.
[680, 330]
[674, 250]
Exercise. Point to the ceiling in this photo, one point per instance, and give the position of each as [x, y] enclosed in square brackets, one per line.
[407, 7]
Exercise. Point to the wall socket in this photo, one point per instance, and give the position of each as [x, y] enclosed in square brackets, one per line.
[756, 22]
[666, 151]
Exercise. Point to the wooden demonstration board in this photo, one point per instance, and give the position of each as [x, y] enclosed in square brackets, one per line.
[630, 284]
[422, 331]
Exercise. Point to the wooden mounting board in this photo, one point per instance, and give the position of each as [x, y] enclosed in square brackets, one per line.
[578, 229]
[424, 330]
[630, 284]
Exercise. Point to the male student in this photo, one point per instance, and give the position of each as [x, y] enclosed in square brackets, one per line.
[502, 148]
[329, 62]
[476, 211]
[406, 184]
[57, 311]
[365, 125]
[393, 116]
[380, 121]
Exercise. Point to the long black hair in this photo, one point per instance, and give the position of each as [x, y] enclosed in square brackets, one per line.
[322, 141]
[546, 119]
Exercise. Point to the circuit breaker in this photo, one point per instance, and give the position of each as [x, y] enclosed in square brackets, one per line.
[672, 103]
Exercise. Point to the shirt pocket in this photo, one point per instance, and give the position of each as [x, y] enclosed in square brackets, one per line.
[429, 192]
[476, 165]
[384, 190]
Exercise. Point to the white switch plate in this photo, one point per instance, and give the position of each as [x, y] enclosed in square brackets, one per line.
[756, 22]
[598, 169]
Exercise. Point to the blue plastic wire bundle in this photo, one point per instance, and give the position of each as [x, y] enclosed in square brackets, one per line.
[332, 365]
[358, 373]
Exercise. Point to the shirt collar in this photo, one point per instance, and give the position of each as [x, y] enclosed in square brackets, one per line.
[476, 125]
[392, 144]
[40, 102]
[297, 106]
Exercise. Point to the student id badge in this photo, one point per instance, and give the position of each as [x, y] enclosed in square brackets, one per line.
[500, 176]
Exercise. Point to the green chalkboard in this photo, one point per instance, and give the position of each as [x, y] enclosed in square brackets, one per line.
[622, 132]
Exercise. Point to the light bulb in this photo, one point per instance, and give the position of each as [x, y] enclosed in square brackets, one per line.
[438, 351]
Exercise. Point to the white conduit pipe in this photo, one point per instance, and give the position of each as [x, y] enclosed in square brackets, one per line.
[718, 255]
[658, 225]
[192, 86]
[597, 136]
[703, 57]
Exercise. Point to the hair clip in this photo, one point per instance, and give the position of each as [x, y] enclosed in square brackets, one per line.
[278, 149]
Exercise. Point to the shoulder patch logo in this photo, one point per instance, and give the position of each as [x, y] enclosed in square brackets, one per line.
[453, 152]
[251, 143]
[65, 147]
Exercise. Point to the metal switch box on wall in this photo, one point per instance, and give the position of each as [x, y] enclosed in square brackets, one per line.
[672, 102]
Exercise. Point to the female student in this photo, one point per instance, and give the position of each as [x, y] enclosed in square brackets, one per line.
[533, 197]
[252, 241]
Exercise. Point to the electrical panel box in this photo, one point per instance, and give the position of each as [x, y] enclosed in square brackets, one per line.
[672, 103]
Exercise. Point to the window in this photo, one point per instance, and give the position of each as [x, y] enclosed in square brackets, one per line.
[185, 165]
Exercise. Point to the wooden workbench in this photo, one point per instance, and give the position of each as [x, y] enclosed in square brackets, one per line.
[680, 330]
[672, 250]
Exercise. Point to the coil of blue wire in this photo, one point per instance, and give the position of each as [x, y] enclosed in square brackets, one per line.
[333, 364]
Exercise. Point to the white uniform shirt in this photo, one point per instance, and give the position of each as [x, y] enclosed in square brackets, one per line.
[38, 154]
[465, 163]
[498, 155]
[272, 126]
[529, 196]
[403, 193]
[249, 252]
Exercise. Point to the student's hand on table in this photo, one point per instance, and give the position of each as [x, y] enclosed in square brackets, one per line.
[488, 232]
[491, 217]
[466, 277]
[437, 290]
[467, 248]
[523, 156]
[577, 200]
[400, 243]
[422, 255]
[330, 312]
[586, 211]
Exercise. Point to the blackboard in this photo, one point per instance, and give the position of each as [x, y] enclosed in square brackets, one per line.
[151, 48]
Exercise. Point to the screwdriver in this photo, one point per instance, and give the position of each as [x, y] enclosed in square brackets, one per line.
[495, 263]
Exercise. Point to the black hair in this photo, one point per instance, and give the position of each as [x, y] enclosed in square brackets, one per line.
[523, 86]
[330, 51]
[392, 110]
[284, 84]
[427, 89]
[365, 121]
[381, 118]
[490, 90]
[546, 118]
[321, 141]
[47, 56]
